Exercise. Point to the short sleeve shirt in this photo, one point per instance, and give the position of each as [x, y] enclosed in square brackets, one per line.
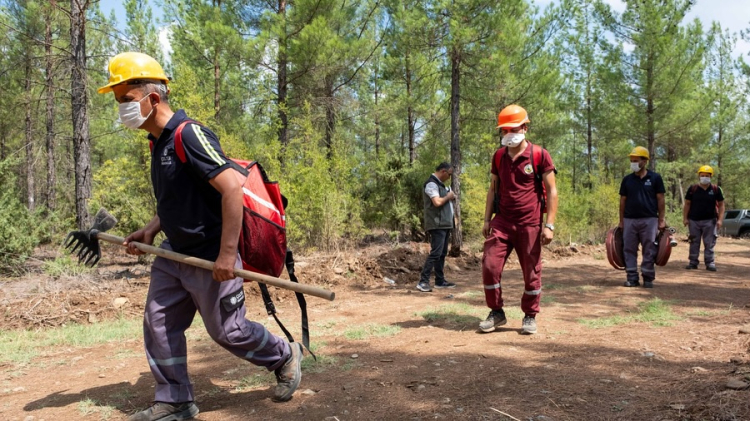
[703, 202]
[431, 190]
[641, 194]
[189, 208]
[519, 200]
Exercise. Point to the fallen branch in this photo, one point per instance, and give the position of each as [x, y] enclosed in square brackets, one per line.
[507, 415]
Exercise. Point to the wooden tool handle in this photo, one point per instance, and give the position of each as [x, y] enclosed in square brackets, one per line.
[205, 264]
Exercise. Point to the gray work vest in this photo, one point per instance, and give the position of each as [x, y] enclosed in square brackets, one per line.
[436, 218]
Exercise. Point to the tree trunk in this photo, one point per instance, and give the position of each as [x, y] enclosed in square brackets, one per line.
[377, 116]
[79, 102]
[281, 82]
[49, 84]
[330, 117]
[409, 110]
[589, 133]
[217, 76]
[29, 137]
[719, 142]
[457, 237]
[650, 126]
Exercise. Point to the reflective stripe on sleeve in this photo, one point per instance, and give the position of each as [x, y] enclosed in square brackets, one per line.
[207, 146]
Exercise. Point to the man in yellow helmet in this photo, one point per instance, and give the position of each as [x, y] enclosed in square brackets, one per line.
[642, 215]
[703, 214]
[199, 208]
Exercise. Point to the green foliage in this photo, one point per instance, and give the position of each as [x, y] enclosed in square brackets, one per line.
[585, 216]
[18, 227]
[20, 346]
[365, 332]
[122, 186]
[656, 311]
[65, 266]
[367, 106]
[321, 207]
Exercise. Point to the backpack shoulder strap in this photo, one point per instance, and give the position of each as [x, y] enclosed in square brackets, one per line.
[179, 149]
[271, 309]
[498, 158]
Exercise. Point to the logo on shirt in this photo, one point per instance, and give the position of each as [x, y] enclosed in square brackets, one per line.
[647, 183]
[528, 169]
[166, 157]
[711, 192]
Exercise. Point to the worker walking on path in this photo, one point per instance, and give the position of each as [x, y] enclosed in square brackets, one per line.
[522, 184]
[199, 207]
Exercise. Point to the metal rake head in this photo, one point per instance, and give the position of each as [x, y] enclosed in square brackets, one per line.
[86, 242]
[87, 246]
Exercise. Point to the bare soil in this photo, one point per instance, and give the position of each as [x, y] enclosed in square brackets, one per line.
[437, 366]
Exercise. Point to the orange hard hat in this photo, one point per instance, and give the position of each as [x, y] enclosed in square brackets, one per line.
[512, 116]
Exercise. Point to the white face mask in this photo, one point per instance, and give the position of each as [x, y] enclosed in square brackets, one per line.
[513, 139]
[635, 166]
[130, 114]
[705, 180]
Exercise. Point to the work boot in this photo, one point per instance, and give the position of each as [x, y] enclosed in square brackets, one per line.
[165, 411]
[631, 284]
[691, 267]
[648, 284]
[495, 319]
[445, 284]
[529, 325]
[424, 287]
[289, 375]
[711, 267]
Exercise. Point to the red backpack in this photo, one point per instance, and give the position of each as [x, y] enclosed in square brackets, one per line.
[262, 244]
[536, 157]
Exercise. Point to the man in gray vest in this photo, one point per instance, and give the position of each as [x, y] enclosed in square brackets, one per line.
[438, 221]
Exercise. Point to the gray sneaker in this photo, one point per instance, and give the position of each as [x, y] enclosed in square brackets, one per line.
[529, 325]
[495, 319]
[165, 411]
[424, 287]
[288, 375]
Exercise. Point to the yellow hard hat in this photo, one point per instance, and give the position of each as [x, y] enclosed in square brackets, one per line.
[639, 151]
[706, 169]
[130, 66]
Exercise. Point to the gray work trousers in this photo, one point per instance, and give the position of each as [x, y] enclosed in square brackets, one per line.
[176, 291]
[705, 230]
[640, 231]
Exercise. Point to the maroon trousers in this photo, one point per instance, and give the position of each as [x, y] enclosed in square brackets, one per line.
[526, 240]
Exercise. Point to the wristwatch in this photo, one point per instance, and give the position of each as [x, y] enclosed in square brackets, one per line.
[550, 226]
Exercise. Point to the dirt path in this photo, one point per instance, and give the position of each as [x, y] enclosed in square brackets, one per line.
[423, 358]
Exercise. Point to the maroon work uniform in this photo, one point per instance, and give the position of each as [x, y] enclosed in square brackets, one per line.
[516, 226]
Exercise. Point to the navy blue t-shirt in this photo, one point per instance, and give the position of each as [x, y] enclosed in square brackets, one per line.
[703, 202]
[189, 208]
[641, 194]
